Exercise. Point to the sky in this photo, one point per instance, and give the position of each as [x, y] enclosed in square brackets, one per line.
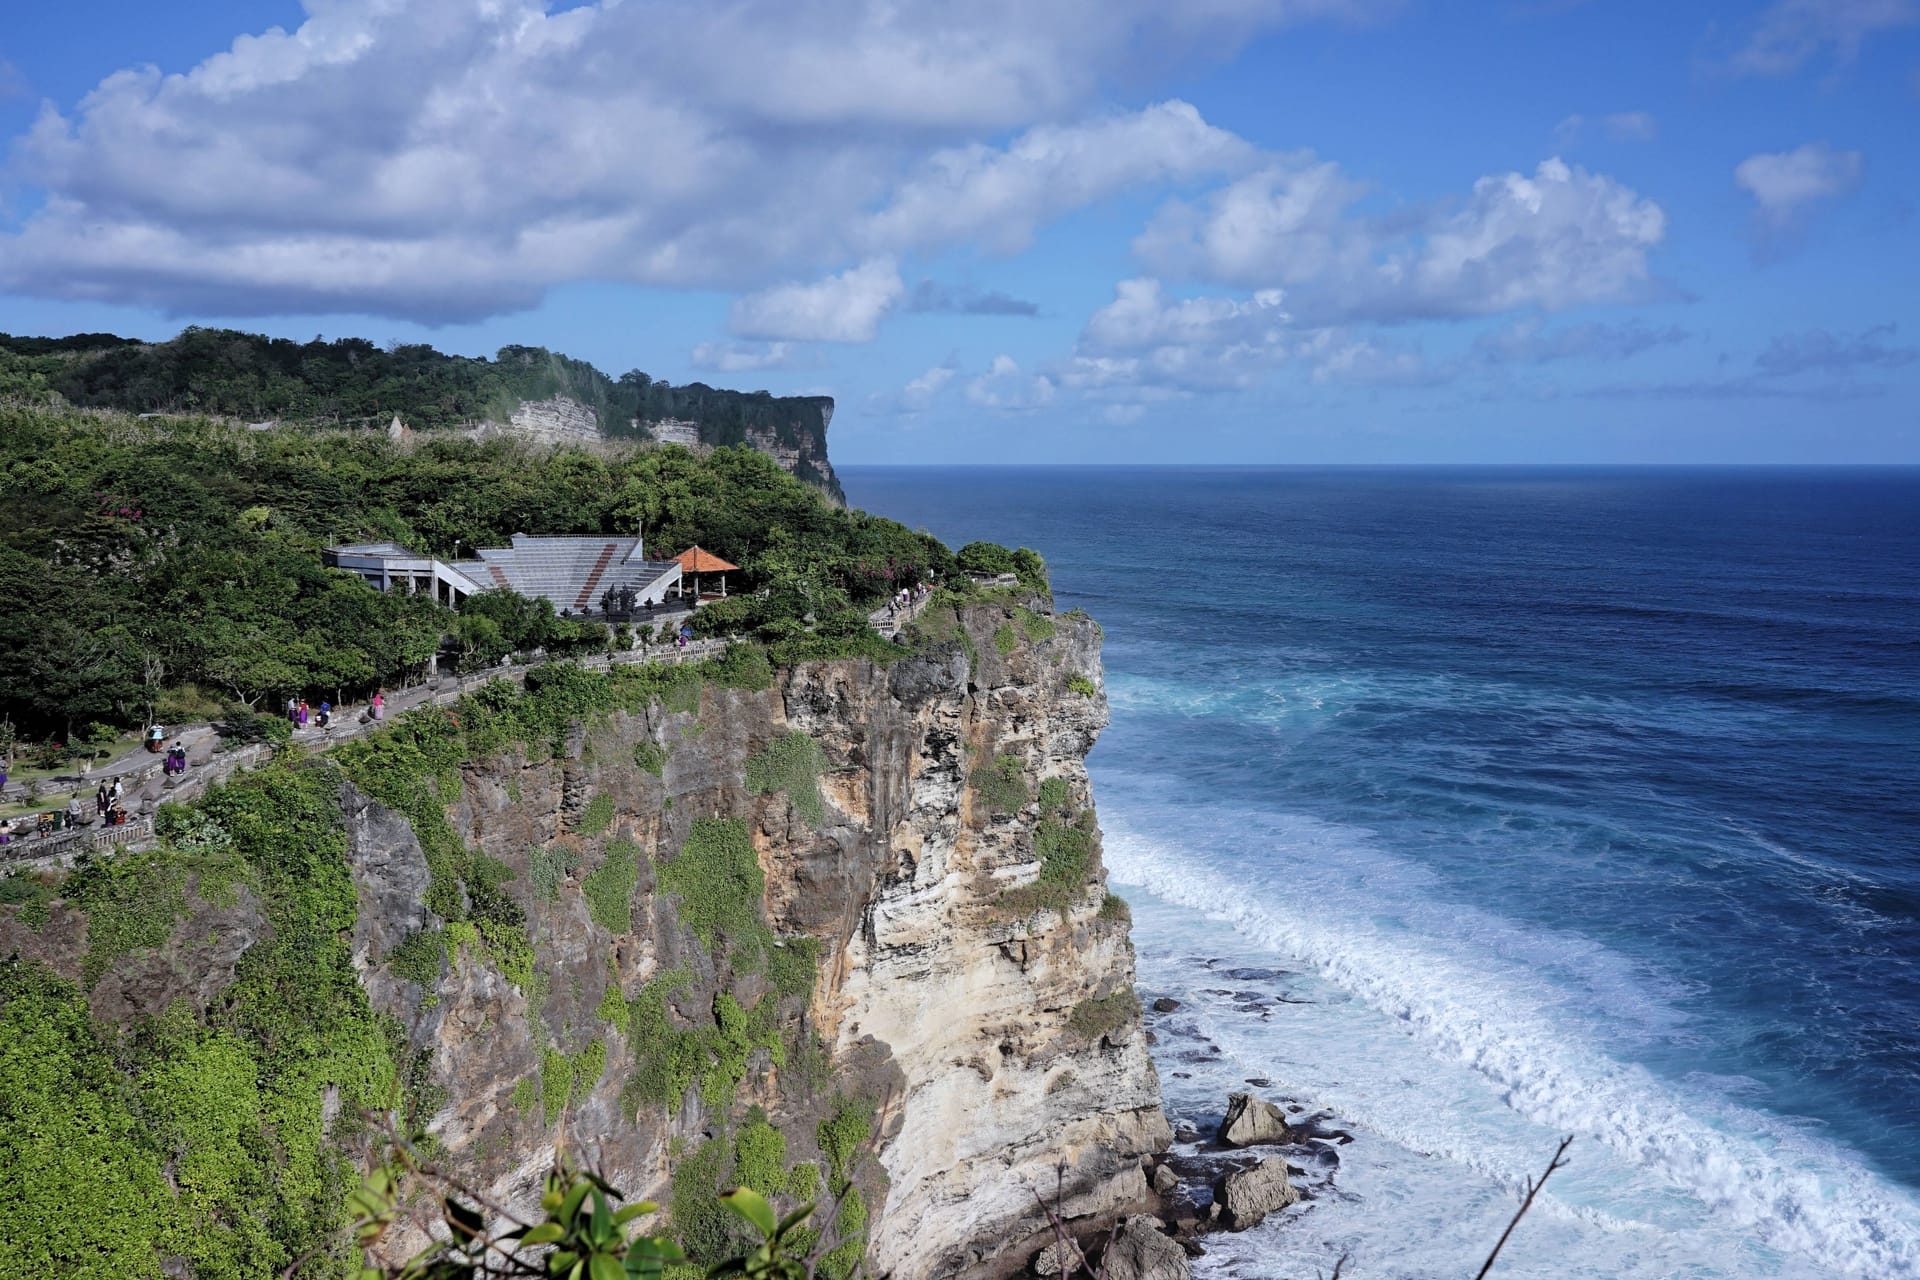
[1365, 231]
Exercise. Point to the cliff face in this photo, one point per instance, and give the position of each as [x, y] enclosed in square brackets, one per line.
[838, 933]
[798, 442]
[761, 924]
[960, 1021]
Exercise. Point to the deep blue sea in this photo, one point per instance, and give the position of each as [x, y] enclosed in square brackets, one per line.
[1562, 801]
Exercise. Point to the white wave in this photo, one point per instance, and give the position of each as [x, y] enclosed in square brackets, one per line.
[1786, 1188]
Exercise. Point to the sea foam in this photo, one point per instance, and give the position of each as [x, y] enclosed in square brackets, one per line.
[1676, 1161]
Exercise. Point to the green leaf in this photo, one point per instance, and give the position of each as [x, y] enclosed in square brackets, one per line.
[638, 1209]
[545, 1233]
[794, 1219]
[602, 1226]
[752, 1206]
[606, 1267]
[570, 1207]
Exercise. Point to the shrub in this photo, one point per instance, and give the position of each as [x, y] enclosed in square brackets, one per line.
[598, 815]
[1005, 641]
[1002, 785]
[1030, 569]
[420, 956]
[1034, 626]
[1065, 854]
[1079, 684]
[1104, 1015]
[986, 559]
[1056, 796]
[792, 764]
[548, 866]
[609, 887]
[651, 756]
[1114, 907]
[718, 879]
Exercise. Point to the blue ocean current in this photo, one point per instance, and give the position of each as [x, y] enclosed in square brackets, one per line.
[1560, 801]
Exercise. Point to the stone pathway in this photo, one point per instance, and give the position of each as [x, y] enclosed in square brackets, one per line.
[145, 786]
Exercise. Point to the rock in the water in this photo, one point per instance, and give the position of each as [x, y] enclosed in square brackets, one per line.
[1141, 1251]
[1253, 1120]
[1165, 1181]
[1165, 1004]
[1057, 1257]
[1248, 1196]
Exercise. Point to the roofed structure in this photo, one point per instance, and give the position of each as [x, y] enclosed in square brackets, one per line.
[700, 560]
[578, 574]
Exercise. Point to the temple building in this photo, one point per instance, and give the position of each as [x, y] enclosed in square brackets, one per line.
[580, 575]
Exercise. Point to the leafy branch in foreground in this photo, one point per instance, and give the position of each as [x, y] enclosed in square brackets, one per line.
[585, 1233]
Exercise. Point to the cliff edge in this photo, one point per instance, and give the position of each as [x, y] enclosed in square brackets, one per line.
[835, 931]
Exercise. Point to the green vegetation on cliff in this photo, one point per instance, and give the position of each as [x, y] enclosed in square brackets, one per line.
[199, 1132]
[351, 382]
[158, 567]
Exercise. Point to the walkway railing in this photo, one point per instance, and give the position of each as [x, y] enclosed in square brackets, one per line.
[62, 847]
[348, 723]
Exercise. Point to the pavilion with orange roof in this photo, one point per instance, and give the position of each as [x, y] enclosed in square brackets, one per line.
[695, 561]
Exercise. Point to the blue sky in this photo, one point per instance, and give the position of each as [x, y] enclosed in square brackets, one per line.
[1245, 230]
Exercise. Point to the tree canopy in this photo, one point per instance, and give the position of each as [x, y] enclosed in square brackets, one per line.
[352, 382]
[141, 556]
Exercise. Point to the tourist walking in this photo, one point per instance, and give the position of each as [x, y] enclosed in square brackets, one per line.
[293, 713]
[304, 713]
[326, 712]
[73, 812]
[379, 706]
[100, 801]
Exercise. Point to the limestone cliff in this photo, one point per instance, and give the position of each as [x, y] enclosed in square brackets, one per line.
[951, 1009]
[762, 919]
[795, 436]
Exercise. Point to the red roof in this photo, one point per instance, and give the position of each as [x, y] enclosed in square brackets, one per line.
[697, 560]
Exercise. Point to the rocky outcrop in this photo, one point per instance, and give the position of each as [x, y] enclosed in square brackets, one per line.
[842, 927]
[1246, 1196]
[556, 421]
[1141, 1250]
[954, 1008]
[1251, 1121]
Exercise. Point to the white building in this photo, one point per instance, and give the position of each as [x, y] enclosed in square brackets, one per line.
[578, 574]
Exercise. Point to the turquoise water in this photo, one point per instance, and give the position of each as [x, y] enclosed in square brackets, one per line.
[1563, 801]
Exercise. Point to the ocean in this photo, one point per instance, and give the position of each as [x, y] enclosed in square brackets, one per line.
[1480, 807]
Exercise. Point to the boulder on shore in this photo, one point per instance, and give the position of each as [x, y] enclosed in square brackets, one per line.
[1057, 1257]
[1142, 1251]
[1246, 1197]
[1251, 1120]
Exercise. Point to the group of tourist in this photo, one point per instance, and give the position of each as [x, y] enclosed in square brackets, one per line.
[907, 599]
[299, 713]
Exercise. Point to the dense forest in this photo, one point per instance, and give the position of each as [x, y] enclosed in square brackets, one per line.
[350, 382]
[166, 565]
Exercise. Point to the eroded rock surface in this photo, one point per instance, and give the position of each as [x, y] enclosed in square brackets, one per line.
[1251, 1121]
[1247, 1196]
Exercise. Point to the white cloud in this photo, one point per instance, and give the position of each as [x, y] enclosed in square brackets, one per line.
[1001, 195]
[840, 308]
[918, 396]
[1144, 339]
[1791, 33]
[1786, 184]
[446, 159]
[743, 357]
[1557, 238]
[1006, 388]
